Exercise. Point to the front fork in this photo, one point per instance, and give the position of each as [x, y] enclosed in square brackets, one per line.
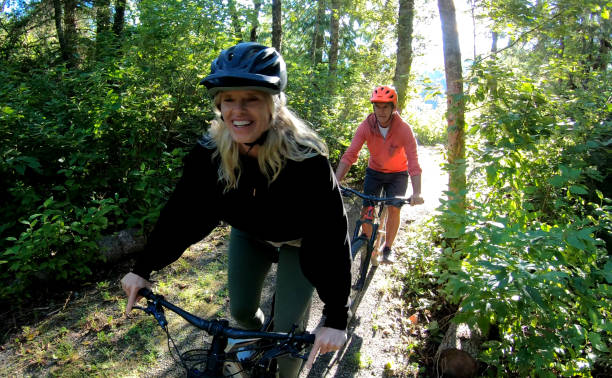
[372, 253]
[365, 225]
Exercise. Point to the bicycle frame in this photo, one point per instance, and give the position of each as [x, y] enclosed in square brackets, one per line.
[218, 361]
[376, 220]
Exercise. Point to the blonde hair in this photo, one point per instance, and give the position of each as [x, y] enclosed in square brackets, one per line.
[288, 138]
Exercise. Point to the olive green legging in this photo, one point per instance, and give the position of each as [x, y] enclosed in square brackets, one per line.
[249, 263]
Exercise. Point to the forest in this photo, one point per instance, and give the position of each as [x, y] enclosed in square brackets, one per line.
[100, 102]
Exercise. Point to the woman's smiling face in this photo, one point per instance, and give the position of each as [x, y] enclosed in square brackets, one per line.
[246, 114]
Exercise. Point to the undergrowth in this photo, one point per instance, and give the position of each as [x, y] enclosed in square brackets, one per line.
[86, 332]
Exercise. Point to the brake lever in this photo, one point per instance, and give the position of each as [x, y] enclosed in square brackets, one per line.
[155, 309]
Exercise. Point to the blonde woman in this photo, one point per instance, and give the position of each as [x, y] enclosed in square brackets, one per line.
[263, 171]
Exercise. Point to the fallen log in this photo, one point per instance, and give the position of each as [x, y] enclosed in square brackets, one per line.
[121, 245]
[458, 352]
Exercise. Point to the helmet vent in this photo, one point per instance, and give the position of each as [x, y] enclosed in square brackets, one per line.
[384, 93]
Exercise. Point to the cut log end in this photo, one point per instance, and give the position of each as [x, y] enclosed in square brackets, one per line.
[455, 363]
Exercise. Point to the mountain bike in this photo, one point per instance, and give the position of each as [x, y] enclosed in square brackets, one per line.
[364, 248]
[248, 353]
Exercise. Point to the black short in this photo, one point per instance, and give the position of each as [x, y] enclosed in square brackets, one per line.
[394, 185]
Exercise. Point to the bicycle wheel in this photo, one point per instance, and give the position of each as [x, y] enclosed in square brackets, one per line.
[359, 271]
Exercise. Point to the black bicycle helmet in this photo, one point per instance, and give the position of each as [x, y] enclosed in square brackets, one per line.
[247, 65]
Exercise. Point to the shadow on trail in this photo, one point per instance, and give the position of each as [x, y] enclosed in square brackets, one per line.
[345, 360]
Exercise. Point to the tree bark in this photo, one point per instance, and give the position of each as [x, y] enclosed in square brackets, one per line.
[317, 37]
[404, 50]
[59, 28]
[69, 50]
[455, 103]
[119, 19]
[473, 12]
[333, 48]
[255, 21]
[103, 15]
[494, 37]
[277, 25]
[459, 347]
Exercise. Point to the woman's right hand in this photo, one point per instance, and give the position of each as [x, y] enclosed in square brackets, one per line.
[131, 283]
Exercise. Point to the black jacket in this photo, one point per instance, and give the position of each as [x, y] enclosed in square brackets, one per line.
[304, 202]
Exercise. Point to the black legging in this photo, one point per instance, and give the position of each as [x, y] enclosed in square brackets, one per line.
[249, 263]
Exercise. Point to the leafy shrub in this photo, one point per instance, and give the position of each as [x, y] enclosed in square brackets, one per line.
[58, 245]
[530, 256]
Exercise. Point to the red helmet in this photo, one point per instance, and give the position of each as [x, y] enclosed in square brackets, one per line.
[384, 93]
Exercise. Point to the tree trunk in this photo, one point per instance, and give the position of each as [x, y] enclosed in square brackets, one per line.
[333, 48]
[317, 37]
[404, 50]
[69, 51]
[494, 37]
[59, 28]
[459, 347]
[119, 19]
[455, 103]
[473, 12]
[103, 16]
[255, 21]
[277, 26]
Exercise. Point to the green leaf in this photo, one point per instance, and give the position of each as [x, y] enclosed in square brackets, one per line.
[535, 296]
[48, 202]
[608, 271]
[491, 174]
[578, 189]
[573, 240]
[597, 343]
[557, 181]
[7, 110]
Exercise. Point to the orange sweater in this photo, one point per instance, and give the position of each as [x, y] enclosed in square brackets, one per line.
[395, 153]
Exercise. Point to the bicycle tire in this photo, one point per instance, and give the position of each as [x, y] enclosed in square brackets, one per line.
[359, 273]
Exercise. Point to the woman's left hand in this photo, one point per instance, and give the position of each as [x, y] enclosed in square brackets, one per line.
[416, 199]
[326, 340]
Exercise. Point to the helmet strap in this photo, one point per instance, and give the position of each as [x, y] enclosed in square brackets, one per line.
[259, 141]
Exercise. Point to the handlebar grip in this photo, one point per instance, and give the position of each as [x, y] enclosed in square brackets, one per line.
[310, 338]
[145, 293]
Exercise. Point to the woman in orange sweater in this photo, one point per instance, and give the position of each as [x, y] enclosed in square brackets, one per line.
[393, 157]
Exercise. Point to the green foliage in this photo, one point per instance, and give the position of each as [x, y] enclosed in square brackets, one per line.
[58, 245]
[532, 256]
[95, 136]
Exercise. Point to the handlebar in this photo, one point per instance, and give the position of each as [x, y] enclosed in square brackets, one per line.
[215, 327]
[348, 192]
